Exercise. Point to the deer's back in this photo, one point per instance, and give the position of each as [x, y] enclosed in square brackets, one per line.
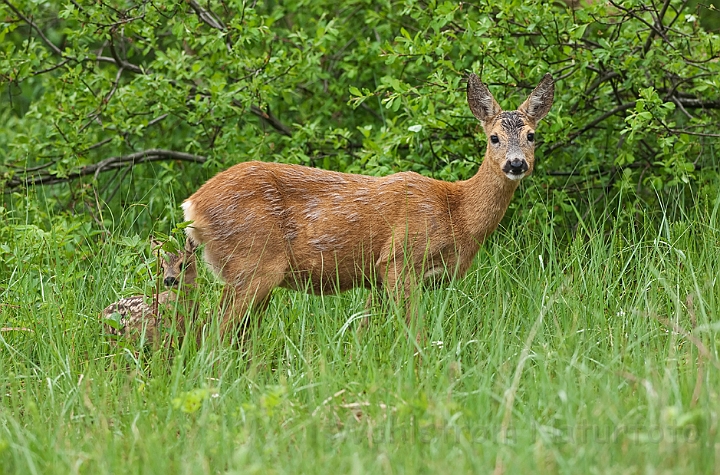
[319, 220]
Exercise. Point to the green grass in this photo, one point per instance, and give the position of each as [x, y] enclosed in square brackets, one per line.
[597, 355]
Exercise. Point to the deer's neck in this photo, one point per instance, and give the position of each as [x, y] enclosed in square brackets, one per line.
[485, 198]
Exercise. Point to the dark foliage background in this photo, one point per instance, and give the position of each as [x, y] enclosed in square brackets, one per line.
[109, 105]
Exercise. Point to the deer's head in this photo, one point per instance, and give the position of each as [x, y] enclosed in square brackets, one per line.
[178, 266]
[511, 135]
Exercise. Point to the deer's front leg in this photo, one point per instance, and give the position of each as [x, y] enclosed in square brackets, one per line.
[374, 300]
[400, 283]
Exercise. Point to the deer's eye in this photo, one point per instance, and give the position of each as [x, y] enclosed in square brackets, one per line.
[494, 139]
[531, 137]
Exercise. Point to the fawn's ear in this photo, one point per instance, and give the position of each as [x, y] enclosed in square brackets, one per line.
[190, 245]
[155, 244]
[539, 102]
[482, 104]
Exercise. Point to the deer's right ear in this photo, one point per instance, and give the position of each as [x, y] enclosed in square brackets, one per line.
[155, 244]
[482, 104]
[190, 245]
[538, 104]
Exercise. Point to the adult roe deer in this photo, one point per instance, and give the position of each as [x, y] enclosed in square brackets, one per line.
[267, 225]
[134, 318]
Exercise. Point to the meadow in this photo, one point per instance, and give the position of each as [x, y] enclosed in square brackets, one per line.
[590, 354]
[584, 339]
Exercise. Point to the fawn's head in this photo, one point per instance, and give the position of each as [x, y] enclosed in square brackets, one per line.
[178, 266]
[511, 135]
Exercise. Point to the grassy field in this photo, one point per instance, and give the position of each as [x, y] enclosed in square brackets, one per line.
[592, 355]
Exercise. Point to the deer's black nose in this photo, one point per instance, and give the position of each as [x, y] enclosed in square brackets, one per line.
[516, 166]
[170, 281]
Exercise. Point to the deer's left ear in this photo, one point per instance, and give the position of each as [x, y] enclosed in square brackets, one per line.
[190, 245]
[155, 244]
[482, 104]
[538, 104]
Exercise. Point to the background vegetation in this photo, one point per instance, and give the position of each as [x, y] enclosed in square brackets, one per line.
[90, 90]
[584, 340]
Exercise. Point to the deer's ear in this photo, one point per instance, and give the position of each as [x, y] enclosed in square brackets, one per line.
[482, 104]
[190, 245]
[155, 244]
[539, 102]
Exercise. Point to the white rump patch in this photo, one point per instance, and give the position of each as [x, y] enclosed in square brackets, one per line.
[189, 213]
[187, 207]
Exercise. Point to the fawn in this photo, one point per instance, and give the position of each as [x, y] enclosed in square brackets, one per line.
[267, 225]
[139, 320]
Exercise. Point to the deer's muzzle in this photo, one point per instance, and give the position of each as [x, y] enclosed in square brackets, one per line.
[515, 168]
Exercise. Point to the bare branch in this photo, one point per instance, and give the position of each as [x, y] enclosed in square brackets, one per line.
[207, 17]
[122, 62]
[658, 27]
[591, 124]
[272, 120]
[211, 20]
[52, 68]
[694, 103]
[156, 120]
[66, 58]
[688, 132]
[606, 76]
[105, 100]
[151, 155]
[111, 163]
[99, 144]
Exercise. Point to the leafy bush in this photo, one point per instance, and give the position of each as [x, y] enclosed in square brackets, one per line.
[91, 91]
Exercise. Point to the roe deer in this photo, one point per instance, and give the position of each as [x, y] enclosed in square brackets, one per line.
[133, 317]
[267, 225]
